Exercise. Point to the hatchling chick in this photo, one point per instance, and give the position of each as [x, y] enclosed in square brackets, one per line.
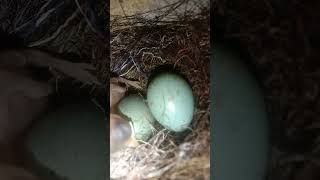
[121, 131]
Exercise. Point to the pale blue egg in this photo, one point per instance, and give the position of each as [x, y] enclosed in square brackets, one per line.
[136, 110]
[171, 101]
[71, 142]
[239, 117]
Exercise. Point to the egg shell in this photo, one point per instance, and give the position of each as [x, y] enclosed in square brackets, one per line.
[240, 124]
[171, 101]
[136, 110]
[71, 142]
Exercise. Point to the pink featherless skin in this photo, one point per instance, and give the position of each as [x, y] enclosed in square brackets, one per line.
[23, 100]
[121, 134]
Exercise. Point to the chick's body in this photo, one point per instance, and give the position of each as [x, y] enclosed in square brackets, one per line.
[121, 134]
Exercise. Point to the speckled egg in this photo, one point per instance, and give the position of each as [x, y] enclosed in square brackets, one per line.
[171, 101]
[136, 110]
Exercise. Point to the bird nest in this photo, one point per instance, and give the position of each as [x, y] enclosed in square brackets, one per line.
[74, 31]
[176, 37]
[174, 34]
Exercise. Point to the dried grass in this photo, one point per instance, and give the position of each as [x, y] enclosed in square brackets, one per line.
[70, 29]
[141, 43]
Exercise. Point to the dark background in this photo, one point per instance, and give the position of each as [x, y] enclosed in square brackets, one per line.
[282, 40]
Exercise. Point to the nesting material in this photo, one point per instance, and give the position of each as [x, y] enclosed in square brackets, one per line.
[141, 44]
[161, 157]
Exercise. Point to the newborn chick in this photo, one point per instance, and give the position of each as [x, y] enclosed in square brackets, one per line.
[23, 100]
[121, 131]
[18, 91]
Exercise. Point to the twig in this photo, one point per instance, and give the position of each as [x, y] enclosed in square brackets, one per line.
[44, 16]
[85, 16]
[55, 34]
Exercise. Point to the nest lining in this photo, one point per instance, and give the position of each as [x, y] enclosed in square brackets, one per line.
[138, 47]
[182, 42]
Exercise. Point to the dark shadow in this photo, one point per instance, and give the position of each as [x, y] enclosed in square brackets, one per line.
[39, 169]
[238, 50]
[168, 68]
[9, 41]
